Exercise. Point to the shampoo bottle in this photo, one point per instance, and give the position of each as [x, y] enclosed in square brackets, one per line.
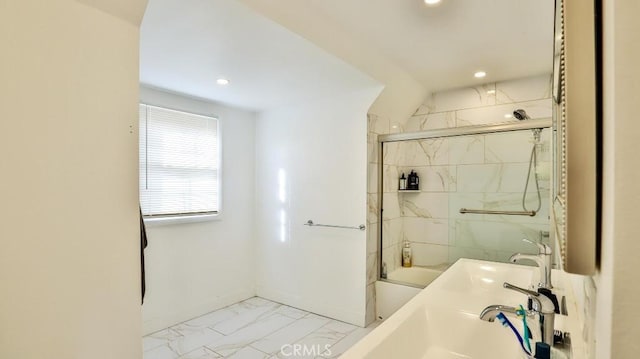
[406, 254]
[403, 182]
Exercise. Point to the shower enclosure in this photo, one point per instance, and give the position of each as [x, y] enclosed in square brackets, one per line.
[482, 190]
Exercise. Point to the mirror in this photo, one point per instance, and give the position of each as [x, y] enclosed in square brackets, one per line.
[577, 129]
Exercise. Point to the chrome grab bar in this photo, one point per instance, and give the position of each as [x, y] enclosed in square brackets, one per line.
[311, 224]
[486, 211]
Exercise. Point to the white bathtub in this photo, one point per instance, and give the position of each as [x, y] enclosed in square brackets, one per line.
[417, 276]
[401, 285]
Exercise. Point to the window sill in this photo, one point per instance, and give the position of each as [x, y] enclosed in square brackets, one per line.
[171, 220]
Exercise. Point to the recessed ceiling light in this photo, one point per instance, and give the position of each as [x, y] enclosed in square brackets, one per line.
[480, 74]
[432, 2]
[222, 81]
[491, 92]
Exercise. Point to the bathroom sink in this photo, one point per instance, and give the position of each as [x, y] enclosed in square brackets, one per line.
[475, 277]
[443, 322]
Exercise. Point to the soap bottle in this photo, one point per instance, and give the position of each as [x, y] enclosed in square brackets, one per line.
[403, 182]
[413, 181]
[406, 254]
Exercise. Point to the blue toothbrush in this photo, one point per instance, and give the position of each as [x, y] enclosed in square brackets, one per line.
[506, 323]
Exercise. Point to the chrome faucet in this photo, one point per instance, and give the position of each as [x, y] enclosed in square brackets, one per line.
[541, 306]
[542, 259]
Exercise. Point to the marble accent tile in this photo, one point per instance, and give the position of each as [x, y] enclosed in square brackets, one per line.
[392, 232]
[508, 177]
[508, 147]
[524, 89]
[290, 334]
[262, 327]
[497, 236]
[372, 148]
[439, 120]
[372, 239]
[426, 205]
[431, 122]
[372, 177]
[370, 306]
[192, 338]
[248, 353]
[415, 123]
[372, 208]
[430, 254]
[160, 338]
[466, 150]
[372, 267]
[467, 97]
[391, 257]
[421, 153]
[201, 353]
[390, 178]
[434, 151]
[496, 114]
[426, 230]
[391, 153]
[423, 109]
[391, 206]
[378, 124]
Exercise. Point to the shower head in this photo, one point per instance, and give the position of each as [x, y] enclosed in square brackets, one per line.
[521, 114]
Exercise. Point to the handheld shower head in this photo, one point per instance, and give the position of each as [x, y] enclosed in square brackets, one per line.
[521, 114]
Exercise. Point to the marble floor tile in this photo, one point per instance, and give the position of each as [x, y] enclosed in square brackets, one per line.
[192, 338]
[254, 328]
[348, 341]
[159, 338]
[292, 312]
[229, 344]
[249, 353]
[201, 353]
[245, 318]
[290, 334]
[161, 352]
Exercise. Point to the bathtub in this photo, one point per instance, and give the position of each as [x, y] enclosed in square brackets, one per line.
[414, 276]
[400, 286]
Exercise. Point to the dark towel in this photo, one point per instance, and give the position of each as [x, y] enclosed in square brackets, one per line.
[143, 245]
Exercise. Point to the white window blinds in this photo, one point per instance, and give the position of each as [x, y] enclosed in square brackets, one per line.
[178, 162]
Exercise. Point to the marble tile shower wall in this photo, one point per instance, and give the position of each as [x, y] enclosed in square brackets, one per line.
[479, 172]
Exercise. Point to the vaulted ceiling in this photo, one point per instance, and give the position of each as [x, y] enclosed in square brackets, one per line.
[274, 51]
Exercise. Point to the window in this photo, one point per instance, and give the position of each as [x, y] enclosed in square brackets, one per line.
[178, 163]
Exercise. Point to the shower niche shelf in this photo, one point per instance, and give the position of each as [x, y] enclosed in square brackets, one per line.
[408, 191]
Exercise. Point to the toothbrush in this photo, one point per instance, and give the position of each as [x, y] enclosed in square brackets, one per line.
[506, 323]
[526, 333]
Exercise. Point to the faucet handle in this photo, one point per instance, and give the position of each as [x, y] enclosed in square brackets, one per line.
[541, 303]
[542, 248]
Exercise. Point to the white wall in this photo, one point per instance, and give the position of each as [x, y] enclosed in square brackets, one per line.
[69, 264]
[311, 164]
[195, 268]
[618, 290]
